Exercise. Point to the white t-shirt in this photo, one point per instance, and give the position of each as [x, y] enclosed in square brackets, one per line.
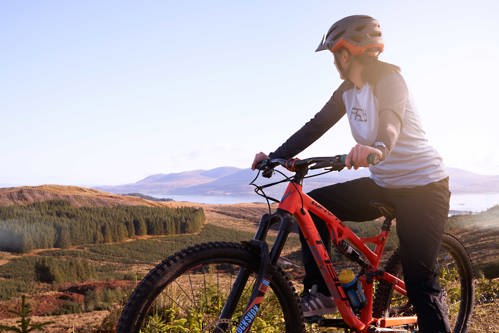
[411, 162]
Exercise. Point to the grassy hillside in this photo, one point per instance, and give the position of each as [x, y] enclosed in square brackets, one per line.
[480, 234]
[99, 276]
[76, 196]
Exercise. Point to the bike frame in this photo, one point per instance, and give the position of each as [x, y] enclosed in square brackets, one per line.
[299, 205]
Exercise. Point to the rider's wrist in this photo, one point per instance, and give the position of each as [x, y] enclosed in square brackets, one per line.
[380, 145]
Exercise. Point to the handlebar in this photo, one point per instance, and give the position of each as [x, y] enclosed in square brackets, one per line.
[335, 163]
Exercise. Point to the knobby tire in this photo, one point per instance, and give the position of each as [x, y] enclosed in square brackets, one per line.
[453, 260]
[174, 296]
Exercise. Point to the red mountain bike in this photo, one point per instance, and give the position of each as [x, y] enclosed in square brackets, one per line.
[240, 287]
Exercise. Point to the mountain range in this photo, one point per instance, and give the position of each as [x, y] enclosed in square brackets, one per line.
[231, 181]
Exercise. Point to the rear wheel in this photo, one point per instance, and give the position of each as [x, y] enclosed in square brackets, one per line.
[456, 280]
[187, 291]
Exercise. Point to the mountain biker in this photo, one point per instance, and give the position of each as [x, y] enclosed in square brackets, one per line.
[408, 172]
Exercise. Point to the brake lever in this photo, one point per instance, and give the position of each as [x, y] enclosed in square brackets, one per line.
[266, 168]
[268, 172]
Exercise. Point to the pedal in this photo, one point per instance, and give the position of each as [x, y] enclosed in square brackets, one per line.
[332, 322]
[313, 319]
[326, 322]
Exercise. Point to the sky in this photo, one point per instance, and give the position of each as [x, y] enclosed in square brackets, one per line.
[105, 92]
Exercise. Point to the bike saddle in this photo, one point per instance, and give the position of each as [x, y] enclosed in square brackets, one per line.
[384, 208]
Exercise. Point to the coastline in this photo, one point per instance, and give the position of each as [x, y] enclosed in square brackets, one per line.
[460, 203]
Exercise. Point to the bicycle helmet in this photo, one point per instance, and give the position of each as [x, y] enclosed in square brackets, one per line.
[359, 34]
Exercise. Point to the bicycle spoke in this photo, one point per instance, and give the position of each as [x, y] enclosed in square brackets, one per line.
[193, 301]
[192, 290]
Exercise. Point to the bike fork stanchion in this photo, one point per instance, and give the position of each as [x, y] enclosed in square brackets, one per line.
[286, 222]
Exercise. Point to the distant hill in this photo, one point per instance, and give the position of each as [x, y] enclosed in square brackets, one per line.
[172, 182]
[223, 181]
[463, 181]
[234, 181]
[76, 196]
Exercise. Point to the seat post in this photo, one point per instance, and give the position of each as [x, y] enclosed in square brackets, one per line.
[387, 223]
[387, 211]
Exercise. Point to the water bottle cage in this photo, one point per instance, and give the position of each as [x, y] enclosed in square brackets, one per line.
[355, 294]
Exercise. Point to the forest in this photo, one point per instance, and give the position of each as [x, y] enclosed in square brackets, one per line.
[57, 224]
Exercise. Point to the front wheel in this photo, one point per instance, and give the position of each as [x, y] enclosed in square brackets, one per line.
[456, 281]
[188, 290]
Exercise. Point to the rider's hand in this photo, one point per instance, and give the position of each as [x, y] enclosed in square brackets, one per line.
[358, 156]
[258, 158]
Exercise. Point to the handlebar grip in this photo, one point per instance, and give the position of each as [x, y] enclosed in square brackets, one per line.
[262, 164]
[373, 159]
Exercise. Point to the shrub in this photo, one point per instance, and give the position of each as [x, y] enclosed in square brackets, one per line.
[52, 270]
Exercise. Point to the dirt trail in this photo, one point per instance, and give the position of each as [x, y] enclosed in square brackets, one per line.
[6, 257]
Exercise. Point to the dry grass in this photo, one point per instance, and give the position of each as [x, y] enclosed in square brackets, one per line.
[485, 319]
[242, 217]
[70, 323]
[77, 196]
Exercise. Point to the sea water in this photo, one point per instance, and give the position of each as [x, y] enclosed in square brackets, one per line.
[460, 203]
[473, 202]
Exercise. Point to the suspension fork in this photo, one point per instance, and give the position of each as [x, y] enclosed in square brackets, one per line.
[262, 283]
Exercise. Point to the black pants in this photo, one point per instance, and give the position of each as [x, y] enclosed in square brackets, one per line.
[421, 216]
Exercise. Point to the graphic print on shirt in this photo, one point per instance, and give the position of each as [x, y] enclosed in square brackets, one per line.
[358, 114]
[360, 105]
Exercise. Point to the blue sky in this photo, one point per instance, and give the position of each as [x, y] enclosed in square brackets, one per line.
[109, 92]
